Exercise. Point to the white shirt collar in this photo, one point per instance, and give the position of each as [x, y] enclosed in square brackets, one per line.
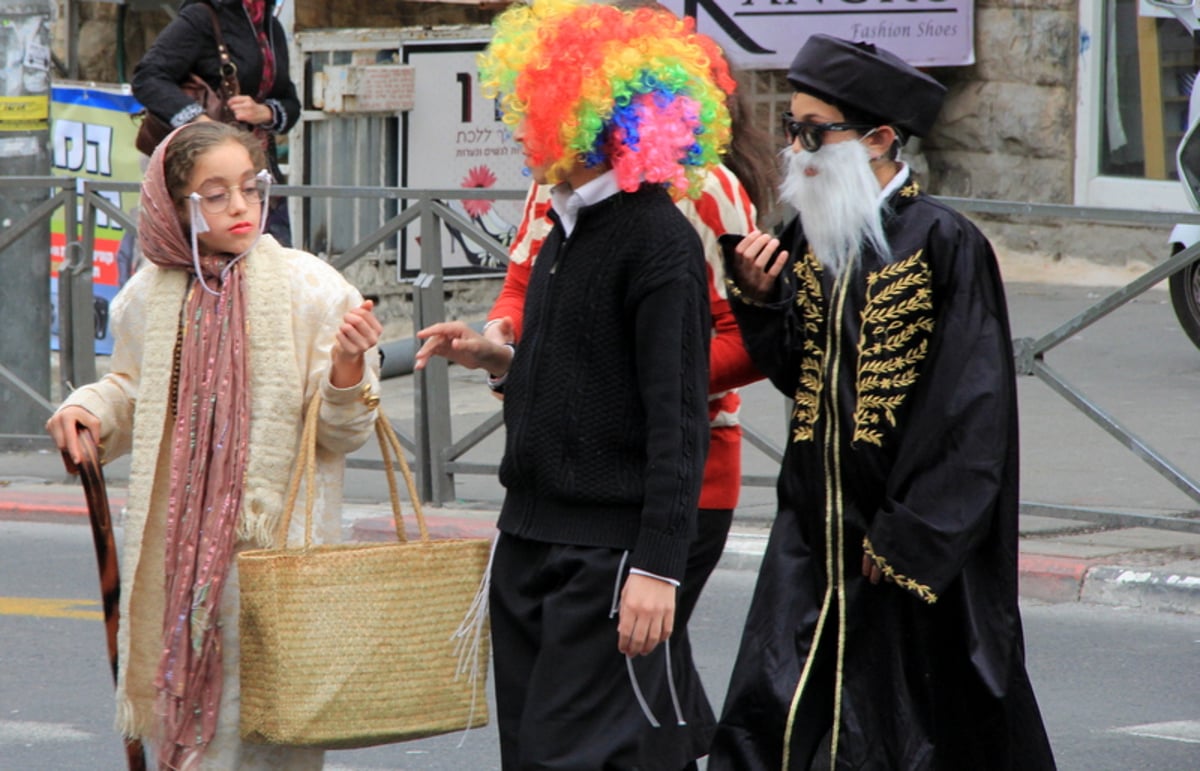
[897, 182]
[567, 201]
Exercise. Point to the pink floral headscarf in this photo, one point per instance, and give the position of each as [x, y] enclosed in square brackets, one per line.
[208, 461]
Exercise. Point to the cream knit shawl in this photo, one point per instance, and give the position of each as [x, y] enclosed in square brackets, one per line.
[276, 407]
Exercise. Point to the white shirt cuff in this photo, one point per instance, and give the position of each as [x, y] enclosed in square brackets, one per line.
[640, 572]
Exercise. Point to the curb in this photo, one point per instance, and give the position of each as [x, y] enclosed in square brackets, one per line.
[1052, 579]
[1049, 578]
[1158, 590]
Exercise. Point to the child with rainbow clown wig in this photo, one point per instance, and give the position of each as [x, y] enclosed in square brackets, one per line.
[638, 89]
[606, 395]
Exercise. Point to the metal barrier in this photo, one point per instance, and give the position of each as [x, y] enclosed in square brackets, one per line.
[1030, 353]
[60, 192]
[430, 443]
[438, 455]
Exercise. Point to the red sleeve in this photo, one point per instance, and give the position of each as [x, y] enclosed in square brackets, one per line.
[535, 225]
[511, 300]
[723, 207]
[729, 363]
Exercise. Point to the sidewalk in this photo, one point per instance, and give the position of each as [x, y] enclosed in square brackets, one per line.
[1137, 363]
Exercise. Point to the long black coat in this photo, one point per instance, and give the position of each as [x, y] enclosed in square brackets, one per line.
[902, 446]
[187, 45]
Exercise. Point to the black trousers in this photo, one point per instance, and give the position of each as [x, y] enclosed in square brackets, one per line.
[564, 696]
[711, 532]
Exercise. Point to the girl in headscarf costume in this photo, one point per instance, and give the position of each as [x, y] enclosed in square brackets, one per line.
[884, 626]
[606, 394]
[215, 358]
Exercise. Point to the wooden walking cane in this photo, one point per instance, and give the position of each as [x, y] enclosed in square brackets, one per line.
[92, 475]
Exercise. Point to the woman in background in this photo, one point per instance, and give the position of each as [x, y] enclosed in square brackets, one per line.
[267, 103]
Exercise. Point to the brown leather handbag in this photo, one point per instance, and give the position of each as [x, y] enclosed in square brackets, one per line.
[153, 130]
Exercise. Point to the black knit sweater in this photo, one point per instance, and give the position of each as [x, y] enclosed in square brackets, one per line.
[605, 404]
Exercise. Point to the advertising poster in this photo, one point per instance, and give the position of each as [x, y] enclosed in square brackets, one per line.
[92, 135]
[24, 71]
[453, 137]
[766, 34]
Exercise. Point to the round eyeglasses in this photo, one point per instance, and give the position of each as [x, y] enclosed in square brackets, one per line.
[216, 200]
[812, 135]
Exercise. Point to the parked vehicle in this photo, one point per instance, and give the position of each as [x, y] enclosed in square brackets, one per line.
[1185, 284]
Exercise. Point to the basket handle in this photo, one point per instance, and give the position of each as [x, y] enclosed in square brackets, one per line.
[389, 439]
[306, 468]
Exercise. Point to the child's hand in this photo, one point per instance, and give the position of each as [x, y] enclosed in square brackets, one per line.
[63, 427]
[462, 345]
[646, 616]
[359, 332]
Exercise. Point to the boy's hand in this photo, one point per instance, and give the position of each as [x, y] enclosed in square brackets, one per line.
[647, 614]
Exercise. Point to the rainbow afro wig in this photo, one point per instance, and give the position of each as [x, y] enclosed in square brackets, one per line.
[583, 83]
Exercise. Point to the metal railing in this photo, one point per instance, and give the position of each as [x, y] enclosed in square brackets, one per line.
[438, 454]
[1030, 353]
[59, 192]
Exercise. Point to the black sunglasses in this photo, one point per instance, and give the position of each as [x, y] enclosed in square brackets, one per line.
[812, 135]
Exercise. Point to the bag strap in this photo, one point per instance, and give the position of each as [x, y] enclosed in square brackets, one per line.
[228, 85]
[388, 438]
[306, 469]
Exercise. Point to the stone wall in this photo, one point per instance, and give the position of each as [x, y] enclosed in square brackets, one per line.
[1007, 131]
[321, 14]
[100, 25]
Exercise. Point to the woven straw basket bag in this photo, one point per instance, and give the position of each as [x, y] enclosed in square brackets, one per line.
[353, 645]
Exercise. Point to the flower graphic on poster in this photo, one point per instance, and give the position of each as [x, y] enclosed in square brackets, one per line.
[481, 212]
[478, 177]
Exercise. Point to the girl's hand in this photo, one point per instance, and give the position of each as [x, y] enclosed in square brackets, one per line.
[63, 427]
[360, 331]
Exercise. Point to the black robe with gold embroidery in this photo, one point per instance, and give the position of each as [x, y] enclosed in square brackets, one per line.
[903, 447]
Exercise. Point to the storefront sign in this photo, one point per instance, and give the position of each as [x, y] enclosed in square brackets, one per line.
[766, 34]
[453, 137]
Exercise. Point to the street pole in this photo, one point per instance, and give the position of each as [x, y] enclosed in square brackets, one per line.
[25, 264]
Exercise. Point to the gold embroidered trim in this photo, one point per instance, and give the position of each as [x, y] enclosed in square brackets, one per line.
[811, 383]
[837, 514]
[897, 321]
[734, 291]
[834, 567]
[910, 190]
[901, 580]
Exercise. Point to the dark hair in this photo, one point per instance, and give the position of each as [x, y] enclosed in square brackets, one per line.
[751, 155]
[196, 139]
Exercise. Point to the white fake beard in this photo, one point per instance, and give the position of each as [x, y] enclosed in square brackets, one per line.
[839, 205]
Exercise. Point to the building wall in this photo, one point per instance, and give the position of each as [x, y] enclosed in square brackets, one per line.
[1007, 131]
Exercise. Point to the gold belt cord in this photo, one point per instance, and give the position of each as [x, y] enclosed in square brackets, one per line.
[834, 559]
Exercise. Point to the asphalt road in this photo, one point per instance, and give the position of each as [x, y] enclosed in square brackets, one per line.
[1117, 687]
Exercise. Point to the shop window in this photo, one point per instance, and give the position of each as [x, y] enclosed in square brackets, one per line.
[1149, 69]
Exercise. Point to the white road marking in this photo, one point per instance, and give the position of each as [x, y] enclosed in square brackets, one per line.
[29, 732]
[1175, 730]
